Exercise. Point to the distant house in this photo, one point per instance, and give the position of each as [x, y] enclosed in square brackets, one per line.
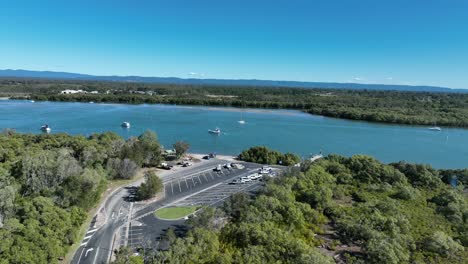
[169, 152]
[94, 92]
[72, 91]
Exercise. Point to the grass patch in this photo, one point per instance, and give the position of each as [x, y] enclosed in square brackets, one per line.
[172, 213]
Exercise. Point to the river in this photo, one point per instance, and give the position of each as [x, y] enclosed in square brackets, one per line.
[284, 130]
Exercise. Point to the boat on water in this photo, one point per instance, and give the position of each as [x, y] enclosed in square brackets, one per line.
[46, 128]
[216, 131]
[242, 121]
[435, 128]
[125, 124]
[316, 156]
[32, 101]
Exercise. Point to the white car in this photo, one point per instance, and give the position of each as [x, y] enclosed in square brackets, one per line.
[218, 168]
[237, 166]
[255, 176]
[245, 179]
[264, 171]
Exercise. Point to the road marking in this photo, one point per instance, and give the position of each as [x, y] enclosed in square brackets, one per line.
[186, 183]
[180, 188]
[92, 230]
[84, 244]
[95, 256]
[128, 223]
[172, 188]
[87, 237]
[193, 182]
[87, 251]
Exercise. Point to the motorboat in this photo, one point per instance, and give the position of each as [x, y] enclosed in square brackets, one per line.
[216, 131]
[316, 157]
[435, 128]
[125, 124]
[241, 122]
[46, 128]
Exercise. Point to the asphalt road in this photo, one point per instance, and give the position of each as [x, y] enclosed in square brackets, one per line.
[97, 244]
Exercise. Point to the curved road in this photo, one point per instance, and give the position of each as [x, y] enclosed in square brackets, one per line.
[97, 245]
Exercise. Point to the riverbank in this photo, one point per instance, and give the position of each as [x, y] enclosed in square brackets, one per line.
[394, 107]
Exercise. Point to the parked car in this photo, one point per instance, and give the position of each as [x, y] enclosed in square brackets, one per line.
[237, 181]
[186, 164]
[255, 176]
[245, 179]
[166, 166]
[218, 168]
[237, 166]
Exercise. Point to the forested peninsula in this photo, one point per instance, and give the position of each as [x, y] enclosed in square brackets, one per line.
[396, 107]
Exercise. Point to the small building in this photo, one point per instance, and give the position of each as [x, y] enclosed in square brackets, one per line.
[72, 91]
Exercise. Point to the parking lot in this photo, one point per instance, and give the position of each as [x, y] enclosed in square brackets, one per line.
[202, 187]
[203, 178]
[217, 193]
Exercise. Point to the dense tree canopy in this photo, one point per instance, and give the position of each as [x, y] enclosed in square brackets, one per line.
[375, 213]
[263, 155]
[49, 181]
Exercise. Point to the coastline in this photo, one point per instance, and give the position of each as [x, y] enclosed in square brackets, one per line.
[321, 111]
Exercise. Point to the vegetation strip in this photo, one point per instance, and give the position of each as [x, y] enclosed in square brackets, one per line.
[396, 107]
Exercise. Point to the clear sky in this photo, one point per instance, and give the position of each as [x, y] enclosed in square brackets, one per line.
[365, 41]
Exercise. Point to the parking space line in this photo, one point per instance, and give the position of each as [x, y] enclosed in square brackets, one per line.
[180, 188]
[198, 176]
[206, 179]
[186, 182]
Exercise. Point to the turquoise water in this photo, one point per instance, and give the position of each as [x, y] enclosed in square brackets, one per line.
[283, 130]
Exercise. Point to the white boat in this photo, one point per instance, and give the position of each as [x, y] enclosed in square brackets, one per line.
[125, 124]
[216, 131]
[32, 101]
[241, 121]
[46, 128]
[316, 157]
[435, 128]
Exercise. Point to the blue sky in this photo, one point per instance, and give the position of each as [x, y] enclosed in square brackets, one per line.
[366, 41]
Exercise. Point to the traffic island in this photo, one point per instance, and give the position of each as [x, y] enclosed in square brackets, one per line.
[175, 213]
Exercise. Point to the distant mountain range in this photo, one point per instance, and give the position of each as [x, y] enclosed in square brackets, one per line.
[227, 82]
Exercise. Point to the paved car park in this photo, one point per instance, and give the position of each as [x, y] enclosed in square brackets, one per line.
[205, 187]
[215, 194]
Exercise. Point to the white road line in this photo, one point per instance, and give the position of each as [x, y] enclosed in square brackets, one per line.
[84, 244]
[92, 230]
[87, 237]
[95, 256]
[87, 251]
